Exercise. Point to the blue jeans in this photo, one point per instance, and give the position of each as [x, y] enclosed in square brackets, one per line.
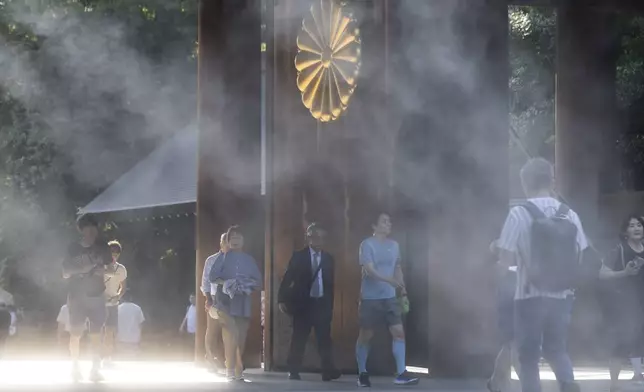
[505, 307]
[541, 325]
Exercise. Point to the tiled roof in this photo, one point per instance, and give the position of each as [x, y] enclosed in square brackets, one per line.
[168, 176]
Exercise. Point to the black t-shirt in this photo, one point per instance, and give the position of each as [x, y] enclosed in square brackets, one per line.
[631, 288]
[89, 284]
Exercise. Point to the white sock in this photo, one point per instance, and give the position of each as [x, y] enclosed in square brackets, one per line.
[637, 365]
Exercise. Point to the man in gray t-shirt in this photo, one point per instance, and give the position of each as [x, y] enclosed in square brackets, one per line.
[381, 276]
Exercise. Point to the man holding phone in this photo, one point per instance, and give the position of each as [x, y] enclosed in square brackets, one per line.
[85, 270]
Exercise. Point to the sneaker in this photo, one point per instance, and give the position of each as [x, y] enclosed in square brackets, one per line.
[95, 375]
[406, 379]
[76, 374]
[569, 387]
[214, 365]
[294, 376]
[489, 387]
[214, 368]
[331, 375]
[363, 380]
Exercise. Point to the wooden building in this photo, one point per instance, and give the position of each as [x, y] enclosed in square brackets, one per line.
[416, 124]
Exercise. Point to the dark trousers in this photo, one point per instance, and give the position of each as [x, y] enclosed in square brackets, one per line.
[317, 316]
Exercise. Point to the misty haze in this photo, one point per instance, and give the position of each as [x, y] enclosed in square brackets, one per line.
[322, 194]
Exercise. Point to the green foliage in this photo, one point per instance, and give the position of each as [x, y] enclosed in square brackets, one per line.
[532, 64]
[40, 189]
[630, 64]
[532, 90]
[531, 86]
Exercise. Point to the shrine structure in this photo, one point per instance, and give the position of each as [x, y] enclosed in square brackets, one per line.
[386, 104]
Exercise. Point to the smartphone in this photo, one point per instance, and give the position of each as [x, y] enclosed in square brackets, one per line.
[639, 262]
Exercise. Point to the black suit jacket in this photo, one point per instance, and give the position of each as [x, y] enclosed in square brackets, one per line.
[295, 288]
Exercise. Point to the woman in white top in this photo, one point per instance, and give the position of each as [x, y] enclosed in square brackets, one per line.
[130, 322]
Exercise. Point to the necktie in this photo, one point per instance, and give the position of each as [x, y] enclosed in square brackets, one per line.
[316, 290]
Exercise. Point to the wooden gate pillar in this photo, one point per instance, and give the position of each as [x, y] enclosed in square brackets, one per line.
[228, 189]
[473, 191]
[324, 171]
[585, 105]
[452, 171]
[586, 131]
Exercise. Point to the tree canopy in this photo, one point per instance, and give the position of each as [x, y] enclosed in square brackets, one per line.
[87, 88]
[532, 91]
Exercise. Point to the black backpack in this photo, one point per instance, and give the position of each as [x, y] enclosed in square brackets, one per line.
[554, 253]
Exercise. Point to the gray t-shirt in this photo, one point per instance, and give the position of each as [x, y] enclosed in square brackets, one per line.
[384, 255]
[233, 265]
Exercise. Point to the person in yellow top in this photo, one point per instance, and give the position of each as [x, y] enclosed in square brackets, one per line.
[114, 290]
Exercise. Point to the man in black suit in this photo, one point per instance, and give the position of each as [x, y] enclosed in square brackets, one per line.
[306, 293]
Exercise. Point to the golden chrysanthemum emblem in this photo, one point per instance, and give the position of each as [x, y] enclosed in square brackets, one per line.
[328, 59]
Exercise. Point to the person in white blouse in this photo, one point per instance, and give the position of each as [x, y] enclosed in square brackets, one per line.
[130, 326]
[114, 290]
[213, 340]
[188, 326]
[189, 323]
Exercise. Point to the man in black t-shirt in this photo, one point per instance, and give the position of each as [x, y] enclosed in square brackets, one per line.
[84, 269]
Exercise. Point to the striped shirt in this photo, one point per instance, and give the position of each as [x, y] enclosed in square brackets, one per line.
[515, 238]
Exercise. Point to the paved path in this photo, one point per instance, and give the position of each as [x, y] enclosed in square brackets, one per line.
[20, 375]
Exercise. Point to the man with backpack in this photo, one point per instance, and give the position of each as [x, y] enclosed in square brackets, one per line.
[545, 239]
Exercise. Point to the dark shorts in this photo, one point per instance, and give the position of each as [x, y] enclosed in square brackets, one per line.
[85, 309]
[112, 320]
[377, 312]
